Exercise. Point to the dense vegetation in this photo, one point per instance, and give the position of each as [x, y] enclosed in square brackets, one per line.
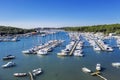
[111, 28]
[7, 30]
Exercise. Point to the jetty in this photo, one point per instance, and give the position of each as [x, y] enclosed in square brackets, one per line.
[73, 48]
[50, 44]
[100, 45]
[31, 76]
[97, 73]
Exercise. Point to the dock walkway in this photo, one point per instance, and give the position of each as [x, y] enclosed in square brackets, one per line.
[31, 76]
[102, 48]
[73, 48]
[97, 73]
[101, 77]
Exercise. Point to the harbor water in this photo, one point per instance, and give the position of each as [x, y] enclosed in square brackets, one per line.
[55, 67]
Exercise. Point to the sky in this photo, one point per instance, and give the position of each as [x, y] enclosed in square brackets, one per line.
[58, 13]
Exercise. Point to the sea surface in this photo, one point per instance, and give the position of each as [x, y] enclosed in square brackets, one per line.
[58, 68]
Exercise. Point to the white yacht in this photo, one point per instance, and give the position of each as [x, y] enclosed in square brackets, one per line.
[26, 51]
[86, 70]
[78, 53]
[65, 51]
[15, 39]
[116, 64]
[62, 54]
[20, 74]
[8, 57]
[36, 72]
[49, 49]
[30, 51]
[96, 48]
[98, 67]
[81, 43]
[108, 48]
[78, 47]
[72, 42]
[69, 47]
[42, 52]
[9, 64]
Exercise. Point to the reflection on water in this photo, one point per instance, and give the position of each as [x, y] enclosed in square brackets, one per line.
[62, 57]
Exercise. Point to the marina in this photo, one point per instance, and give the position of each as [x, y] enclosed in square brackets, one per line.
[55, 67]
[60, 40]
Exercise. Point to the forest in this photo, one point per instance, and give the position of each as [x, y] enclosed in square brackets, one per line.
[106, 28]
[5, 30]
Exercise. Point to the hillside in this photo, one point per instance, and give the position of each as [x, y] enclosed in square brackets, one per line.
[107, 28]
[8, 30]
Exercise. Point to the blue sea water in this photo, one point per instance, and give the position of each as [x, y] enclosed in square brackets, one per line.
[54, 67]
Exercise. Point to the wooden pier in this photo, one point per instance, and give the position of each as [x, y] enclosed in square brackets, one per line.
[73, 48]
[31, 76]
[97, 73]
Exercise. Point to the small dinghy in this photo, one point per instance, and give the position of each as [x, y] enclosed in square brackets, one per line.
[98, 67]
[86, 70]
[9, 64]
[8, 57]
[36, 72]
[20, 74]
[116, 64]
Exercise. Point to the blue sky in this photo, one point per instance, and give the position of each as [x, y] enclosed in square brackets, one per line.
[58, 13]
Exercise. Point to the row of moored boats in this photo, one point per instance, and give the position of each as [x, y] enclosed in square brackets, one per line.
[97, 43]
[44, 48]
[75, 43]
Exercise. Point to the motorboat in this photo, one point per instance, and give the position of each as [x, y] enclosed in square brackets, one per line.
[78, 47]
[96, 48]
[9, 64]
[72, 42]
[26, 51]
[108, 48]
[62, 54]
[80, 42]
[49, 49]
[8, 57]
[30, 51]
[86, 70]
[78, 53]
[98, 67]
[65, 50]
[69, 47]
[20, 74]
[15, 39]
[36, 72]
[42, 52]
[116, 64]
